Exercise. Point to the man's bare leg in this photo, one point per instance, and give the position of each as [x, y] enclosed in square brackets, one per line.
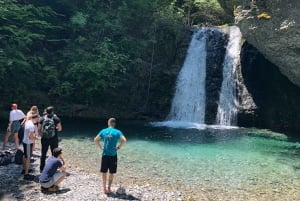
[61, 179]
[16, 137]
[104, 182]
[27, 164]
[7, 134]
[110, 180]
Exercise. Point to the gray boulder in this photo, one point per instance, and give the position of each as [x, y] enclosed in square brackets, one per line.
[272, 26]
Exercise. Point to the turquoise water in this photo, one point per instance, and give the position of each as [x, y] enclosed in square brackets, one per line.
[215, 163]
[203, 163]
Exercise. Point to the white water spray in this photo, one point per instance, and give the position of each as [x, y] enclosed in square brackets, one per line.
[228, 102]
[189, 101]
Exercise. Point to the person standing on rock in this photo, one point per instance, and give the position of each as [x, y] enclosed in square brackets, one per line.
[16, 116]
[49, 125]
[28, 139]
[110, 137]
[33, 110]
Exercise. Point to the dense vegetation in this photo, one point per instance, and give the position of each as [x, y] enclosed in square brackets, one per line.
[118, 56]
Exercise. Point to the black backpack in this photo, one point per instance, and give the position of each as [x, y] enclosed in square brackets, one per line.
[21, 133]
[48, 127]
[6, 158]
[19, 157]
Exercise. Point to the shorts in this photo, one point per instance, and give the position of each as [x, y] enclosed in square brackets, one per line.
[109, 163]
[52, 180]
[27, 150]
[15, 126]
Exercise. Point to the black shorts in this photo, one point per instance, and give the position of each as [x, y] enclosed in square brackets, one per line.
[27, 150]
[109, 163]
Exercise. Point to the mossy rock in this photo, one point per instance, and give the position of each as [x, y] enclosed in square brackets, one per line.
[264, 133]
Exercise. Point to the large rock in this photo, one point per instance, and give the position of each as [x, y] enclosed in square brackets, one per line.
[217, 41]
[276, 100]
[272, 26]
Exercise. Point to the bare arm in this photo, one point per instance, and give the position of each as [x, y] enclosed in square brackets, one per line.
[9, 125]
[26, 117]
[62, 159]
[123, 142]
[59, 127]
[32, 135]
[97, 142]
[39, 128]
[63, 168]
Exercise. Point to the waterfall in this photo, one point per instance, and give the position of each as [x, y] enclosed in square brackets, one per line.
[206, 87]
[228, 102]
[189, 100]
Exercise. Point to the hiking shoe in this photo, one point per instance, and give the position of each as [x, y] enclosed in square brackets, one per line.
[29, 177]
[23, 171]
[53, 189]
[44, 189]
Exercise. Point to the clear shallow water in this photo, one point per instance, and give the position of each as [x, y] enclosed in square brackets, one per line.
[213, 163]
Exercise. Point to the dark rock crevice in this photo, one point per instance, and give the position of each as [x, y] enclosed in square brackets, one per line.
[276, 98]
[216, 49]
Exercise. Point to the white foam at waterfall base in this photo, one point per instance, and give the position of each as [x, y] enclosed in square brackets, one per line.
[189, 125]
[189, 100]
[228, 103]
[179, 124]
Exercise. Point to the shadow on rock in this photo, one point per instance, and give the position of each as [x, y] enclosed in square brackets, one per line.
[60, 191]
[122, 196]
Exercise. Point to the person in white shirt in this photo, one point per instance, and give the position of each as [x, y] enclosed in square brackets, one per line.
[28, 139]
[33, 110]
[16, 116]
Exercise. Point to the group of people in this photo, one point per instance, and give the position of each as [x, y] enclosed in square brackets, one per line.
[28, 127]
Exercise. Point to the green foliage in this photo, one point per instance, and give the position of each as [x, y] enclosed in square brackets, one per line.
[79, 19]
[203, 12]
[24, 34]
[83, 51]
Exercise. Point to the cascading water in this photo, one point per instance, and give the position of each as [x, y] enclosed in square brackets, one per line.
[204, 57]
[189, 101]
[228, 102]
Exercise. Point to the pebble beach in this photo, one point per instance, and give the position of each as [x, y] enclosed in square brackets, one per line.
[148, 173]
[78, 185]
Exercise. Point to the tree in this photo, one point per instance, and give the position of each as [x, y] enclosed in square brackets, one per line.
[202, 12]
[25, 34]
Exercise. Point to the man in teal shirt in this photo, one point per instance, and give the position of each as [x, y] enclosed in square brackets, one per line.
[110, 137]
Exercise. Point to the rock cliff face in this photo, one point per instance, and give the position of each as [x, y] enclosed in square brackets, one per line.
[276, 99]
[216, 48]
[273, 27]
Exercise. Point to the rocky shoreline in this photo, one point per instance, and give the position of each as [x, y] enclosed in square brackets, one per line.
[78, 185]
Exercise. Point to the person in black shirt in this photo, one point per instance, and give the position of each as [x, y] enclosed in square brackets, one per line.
[47, 141]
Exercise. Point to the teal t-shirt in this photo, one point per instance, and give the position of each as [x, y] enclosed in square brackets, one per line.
[110, 137]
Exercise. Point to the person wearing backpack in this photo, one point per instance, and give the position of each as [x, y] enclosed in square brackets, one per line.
[49, 125]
